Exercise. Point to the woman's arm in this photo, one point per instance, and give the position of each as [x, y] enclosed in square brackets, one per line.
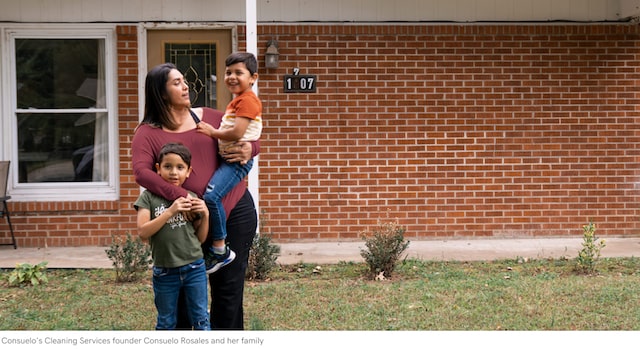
[143, 160]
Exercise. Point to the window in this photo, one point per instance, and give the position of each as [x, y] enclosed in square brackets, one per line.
[63, 121]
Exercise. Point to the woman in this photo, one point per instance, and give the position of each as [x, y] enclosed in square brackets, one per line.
[168, 117]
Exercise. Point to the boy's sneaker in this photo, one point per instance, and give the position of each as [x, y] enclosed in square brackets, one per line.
[214, 261]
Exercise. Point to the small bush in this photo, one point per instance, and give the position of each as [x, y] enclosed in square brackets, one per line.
[263, 254]
[383, 249]
[590, 253]
[262, 258]
[27, 274]
[131, 257]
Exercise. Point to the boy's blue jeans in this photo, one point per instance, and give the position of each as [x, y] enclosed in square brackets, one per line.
[167, 284]
[227, 176]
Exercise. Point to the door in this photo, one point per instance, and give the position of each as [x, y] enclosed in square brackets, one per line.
[199, 55]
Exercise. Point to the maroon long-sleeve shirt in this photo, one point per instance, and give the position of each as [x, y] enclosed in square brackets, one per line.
[146, 145]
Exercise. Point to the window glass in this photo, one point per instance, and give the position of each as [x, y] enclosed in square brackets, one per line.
[59, 73]
[59, 148]
[62, 128]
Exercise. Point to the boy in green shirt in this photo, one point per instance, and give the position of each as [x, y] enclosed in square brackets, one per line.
[176, 251]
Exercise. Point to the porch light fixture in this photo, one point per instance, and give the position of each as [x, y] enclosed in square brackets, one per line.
[271, 56]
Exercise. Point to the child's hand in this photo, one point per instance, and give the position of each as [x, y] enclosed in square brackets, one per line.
[180, 205]
[205, 128]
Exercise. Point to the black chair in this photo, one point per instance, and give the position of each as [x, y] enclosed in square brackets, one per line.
[4, 209]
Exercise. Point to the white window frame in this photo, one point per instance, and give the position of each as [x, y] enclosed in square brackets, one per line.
[59, 191]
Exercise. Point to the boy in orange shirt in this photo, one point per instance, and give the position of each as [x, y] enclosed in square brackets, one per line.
[242, 122]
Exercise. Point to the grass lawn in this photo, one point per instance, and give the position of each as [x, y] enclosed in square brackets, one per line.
[422, 295]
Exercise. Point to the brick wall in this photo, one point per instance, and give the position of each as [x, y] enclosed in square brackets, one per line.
[454, 130]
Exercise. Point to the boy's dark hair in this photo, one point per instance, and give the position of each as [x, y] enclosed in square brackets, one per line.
[175, 148]
[247, 58]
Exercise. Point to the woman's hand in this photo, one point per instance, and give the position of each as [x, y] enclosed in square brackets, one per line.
[239, 152]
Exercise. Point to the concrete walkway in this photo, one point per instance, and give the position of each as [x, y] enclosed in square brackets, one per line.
[334, 252]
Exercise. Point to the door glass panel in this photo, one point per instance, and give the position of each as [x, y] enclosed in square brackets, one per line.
[197, 62]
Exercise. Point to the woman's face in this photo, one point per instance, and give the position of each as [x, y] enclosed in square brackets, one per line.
[177, 90]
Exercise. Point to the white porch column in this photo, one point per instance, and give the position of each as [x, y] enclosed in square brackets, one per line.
[252, 46]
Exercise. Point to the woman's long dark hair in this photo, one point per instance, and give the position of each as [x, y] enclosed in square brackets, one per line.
[156, 107]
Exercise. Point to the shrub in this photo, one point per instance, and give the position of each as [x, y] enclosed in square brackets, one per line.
[384, 246]
[263, 254]
[27, 274]
[131, 257]
[590, 253]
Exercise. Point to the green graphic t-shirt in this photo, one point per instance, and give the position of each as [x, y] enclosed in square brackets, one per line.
[176, 244]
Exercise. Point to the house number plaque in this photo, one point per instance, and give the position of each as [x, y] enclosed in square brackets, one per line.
[299, 83]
